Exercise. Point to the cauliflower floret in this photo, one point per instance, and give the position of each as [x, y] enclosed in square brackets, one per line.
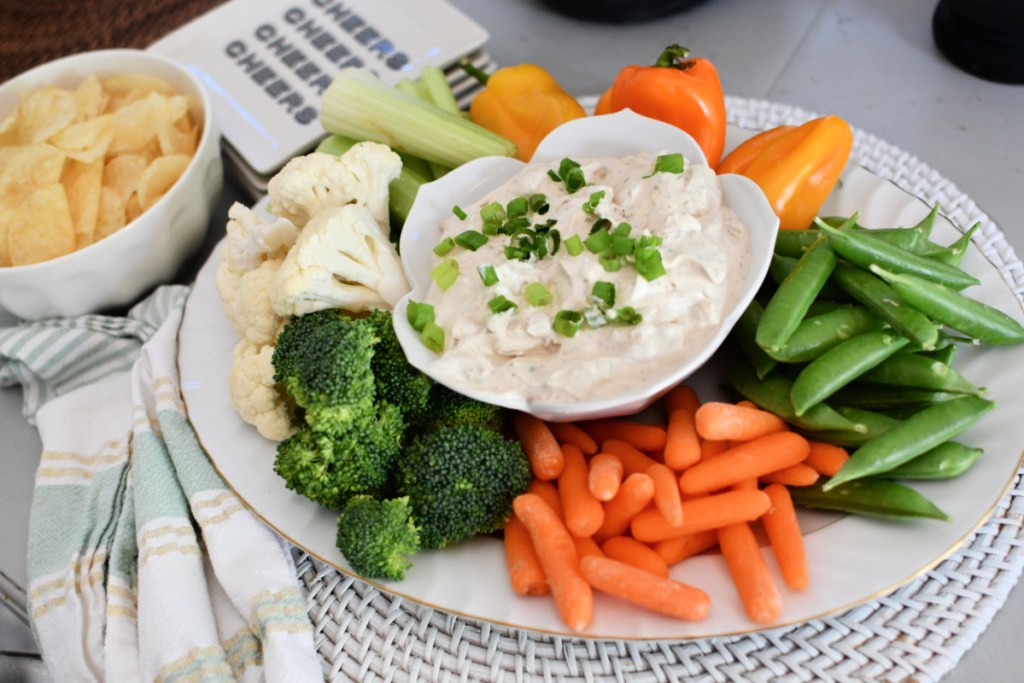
[251, 240]
[309, 184]
[342, 259]
[246, 302]
[257, 399]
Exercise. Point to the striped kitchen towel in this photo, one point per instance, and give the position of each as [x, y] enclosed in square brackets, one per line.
[143, 564]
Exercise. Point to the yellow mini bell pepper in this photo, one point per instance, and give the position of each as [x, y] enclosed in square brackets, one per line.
[795, 166]
[522, 103]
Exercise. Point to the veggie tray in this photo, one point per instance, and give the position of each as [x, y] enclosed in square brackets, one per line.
[851, 559]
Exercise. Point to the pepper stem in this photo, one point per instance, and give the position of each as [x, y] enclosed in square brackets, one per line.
[475, 72]
[674, 56]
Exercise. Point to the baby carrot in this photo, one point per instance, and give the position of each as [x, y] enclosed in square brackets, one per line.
[745, 485]
[717, 420]
[780, 523]
[635, 493]
[748, 459]
[750, 573]
[682, 447]
[604, 476]
[643, 588]
[794, 475]
[826, 458]
[587, 546]
[710, 448]
[567, 432]
[701, 514]
[557, 554]
[675, 550]
[540, 446]
[549, 494]
[583, 512]
[666, 493]
[633, 459]
[682, 396]
[524, 570]
[645, 437]
[635, 553]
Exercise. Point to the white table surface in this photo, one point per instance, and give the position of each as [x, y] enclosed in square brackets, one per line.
[873, 62]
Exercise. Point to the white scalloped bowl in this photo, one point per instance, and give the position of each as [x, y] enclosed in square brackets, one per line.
[146, 252]
[614, 135]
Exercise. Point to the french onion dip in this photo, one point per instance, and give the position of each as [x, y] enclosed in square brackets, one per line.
[585, 279]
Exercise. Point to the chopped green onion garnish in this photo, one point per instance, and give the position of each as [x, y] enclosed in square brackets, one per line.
[648, 241]
[668, 163]
[603, 293]
[553, 176]
[457, 210]
[600, 224]
[500, 304]
[445, 273]
[492, 212]
[490, 227]
[517, 207]
[419, 314]
[513, 225]
[574, 245]
[444, 246]
[622, 230]
[598, 242]
[611, 264]
[595, 317]
[591, 204]
[570, 173]
[539, 204]
[567, 323]
[537, 294]
[627, 315]
[432, 337]
[487, 274]
[622, 245]
[471, 239]
[513, 253]
[648, 263]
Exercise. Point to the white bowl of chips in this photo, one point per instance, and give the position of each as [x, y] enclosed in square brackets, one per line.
[109, 170]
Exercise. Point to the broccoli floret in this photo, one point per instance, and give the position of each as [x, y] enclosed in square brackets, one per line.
[449, 408]
[461, 481]
[376, 536]
[398, 382]
[323, 360]
[330, 467]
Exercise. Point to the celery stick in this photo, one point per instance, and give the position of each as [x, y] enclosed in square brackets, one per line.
[358, 105]
[438, 91]
[335, 144]
[414, 88]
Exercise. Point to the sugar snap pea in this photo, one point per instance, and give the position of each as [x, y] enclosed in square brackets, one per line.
[743, 334]
[868, 396]
[962, 313]
[772, 393]
[793, 243]
[920, 372]
[944, 352]
[791, 300]
[954, 253]
[840, 365]
[875, 423]
[863, 249]
[912, 437]
[945, 461]
[874, 497]
[882, 300]
[781, 266]
[819, 333]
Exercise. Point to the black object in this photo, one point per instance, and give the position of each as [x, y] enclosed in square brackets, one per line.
[985, 38]
[620, 11]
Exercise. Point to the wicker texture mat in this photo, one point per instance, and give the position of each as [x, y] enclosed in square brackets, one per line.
[33, 32]
[918, 632]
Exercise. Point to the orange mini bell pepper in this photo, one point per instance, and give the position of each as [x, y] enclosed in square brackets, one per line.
[522, 103]
[795, 166]
[684, 92]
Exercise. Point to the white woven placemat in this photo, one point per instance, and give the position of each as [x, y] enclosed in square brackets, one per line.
[918, 632]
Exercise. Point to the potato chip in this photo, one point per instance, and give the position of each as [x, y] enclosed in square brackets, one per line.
[5, 221]
[43, 113]
[110, 217]
[41, 228]
[123, 85]
[132, 208]
[159, 177]
[90, 99]
[122, 173]
[86, 135]
[136, 124]
[82, 183]
[174, 140]
[9, 130]
[32, 165]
